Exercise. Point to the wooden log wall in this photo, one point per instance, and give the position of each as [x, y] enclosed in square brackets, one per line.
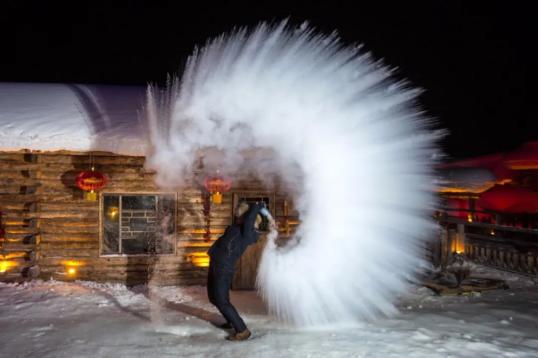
[51, 227]
[69, 225]
[19, 184]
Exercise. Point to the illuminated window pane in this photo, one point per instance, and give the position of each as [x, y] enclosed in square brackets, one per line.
[111, 224]
[138, 224]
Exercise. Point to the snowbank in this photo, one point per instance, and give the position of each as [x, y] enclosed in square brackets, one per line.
[43, 116]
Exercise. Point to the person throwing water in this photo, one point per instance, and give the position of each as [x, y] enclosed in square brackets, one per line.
[224, 254]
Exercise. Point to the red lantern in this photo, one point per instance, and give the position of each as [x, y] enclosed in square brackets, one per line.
[216, 186]
[90, 181]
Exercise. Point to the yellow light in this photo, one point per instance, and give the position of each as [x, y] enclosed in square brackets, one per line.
[113, 212]
[216, 198]
[470, 218]
[458, 245]
[199, 259]
[6, 264]
[13, 255]
[71, 266]
[71, 263]
[492, 232]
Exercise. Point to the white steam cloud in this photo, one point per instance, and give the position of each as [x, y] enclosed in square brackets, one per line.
[346, 139]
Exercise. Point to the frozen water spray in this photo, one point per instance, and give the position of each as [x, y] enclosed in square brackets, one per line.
[346, 139]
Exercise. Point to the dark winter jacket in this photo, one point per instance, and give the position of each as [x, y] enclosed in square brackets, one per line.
[230, 246]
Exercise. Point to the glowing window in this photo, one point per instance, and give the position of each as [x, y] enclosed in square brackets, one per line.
[134, 224]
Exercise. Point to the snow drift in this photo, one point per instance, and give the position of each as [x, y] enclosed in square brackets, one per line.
[80, 117]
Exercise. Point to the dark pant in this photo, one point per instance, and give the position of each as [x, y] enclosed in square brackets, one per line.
[219, 283]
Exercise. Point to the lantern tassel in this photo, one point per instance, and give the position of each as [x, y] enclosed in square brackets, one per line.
[90, 195]
[216, 198]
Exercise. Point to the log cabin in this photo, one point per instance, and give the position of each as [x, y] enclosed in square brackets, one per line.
[132, 231]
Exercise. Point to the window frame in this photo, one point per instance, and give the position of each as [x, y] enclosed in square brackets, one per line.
[239, 194]
[121, 193]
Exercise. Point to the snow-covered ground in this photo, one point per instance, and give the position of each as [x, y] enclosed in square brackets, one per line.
[85, 319]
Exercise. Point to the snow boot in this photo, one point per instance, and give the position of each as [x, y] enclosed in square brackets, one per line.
[241, 336]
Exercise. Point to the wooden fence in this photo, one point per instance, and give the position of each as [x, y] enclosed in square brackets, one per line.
[503, 247]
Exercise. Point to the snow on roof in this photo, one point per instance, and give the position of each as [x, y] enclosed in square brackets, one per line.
[72, 117]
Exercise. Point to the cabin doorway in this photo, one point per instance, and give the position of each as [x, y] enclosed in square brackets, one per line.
[247, 267]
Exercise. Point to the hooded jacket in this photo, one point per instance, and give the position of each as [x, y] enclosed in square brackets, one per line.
[230, 246]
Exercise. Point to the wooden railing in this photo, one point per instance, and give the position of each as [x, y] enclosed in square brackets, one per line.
[503, 247]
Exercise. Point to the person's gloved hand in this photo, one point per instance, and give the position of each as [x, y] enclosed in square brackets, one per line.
[265, 212]
[262, 209]
[259, 205]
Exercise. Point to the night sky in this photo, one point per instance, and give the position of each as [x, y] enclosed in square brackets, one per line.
[475, 60]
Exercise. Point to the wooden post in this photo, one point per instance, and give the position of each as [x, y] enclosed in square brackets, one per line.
[206, 198]
[461, 238]
[286, 220]
[445, 247]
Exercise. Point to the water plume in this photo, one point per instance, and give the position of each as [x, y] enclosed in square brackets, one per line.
[347, 140]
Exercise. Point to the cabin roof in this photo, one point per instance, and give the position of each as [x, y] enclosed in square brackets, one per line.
[49, 117]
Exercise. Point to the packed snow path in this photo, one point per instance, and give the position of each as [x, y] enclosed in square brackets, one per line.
[84, 319]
